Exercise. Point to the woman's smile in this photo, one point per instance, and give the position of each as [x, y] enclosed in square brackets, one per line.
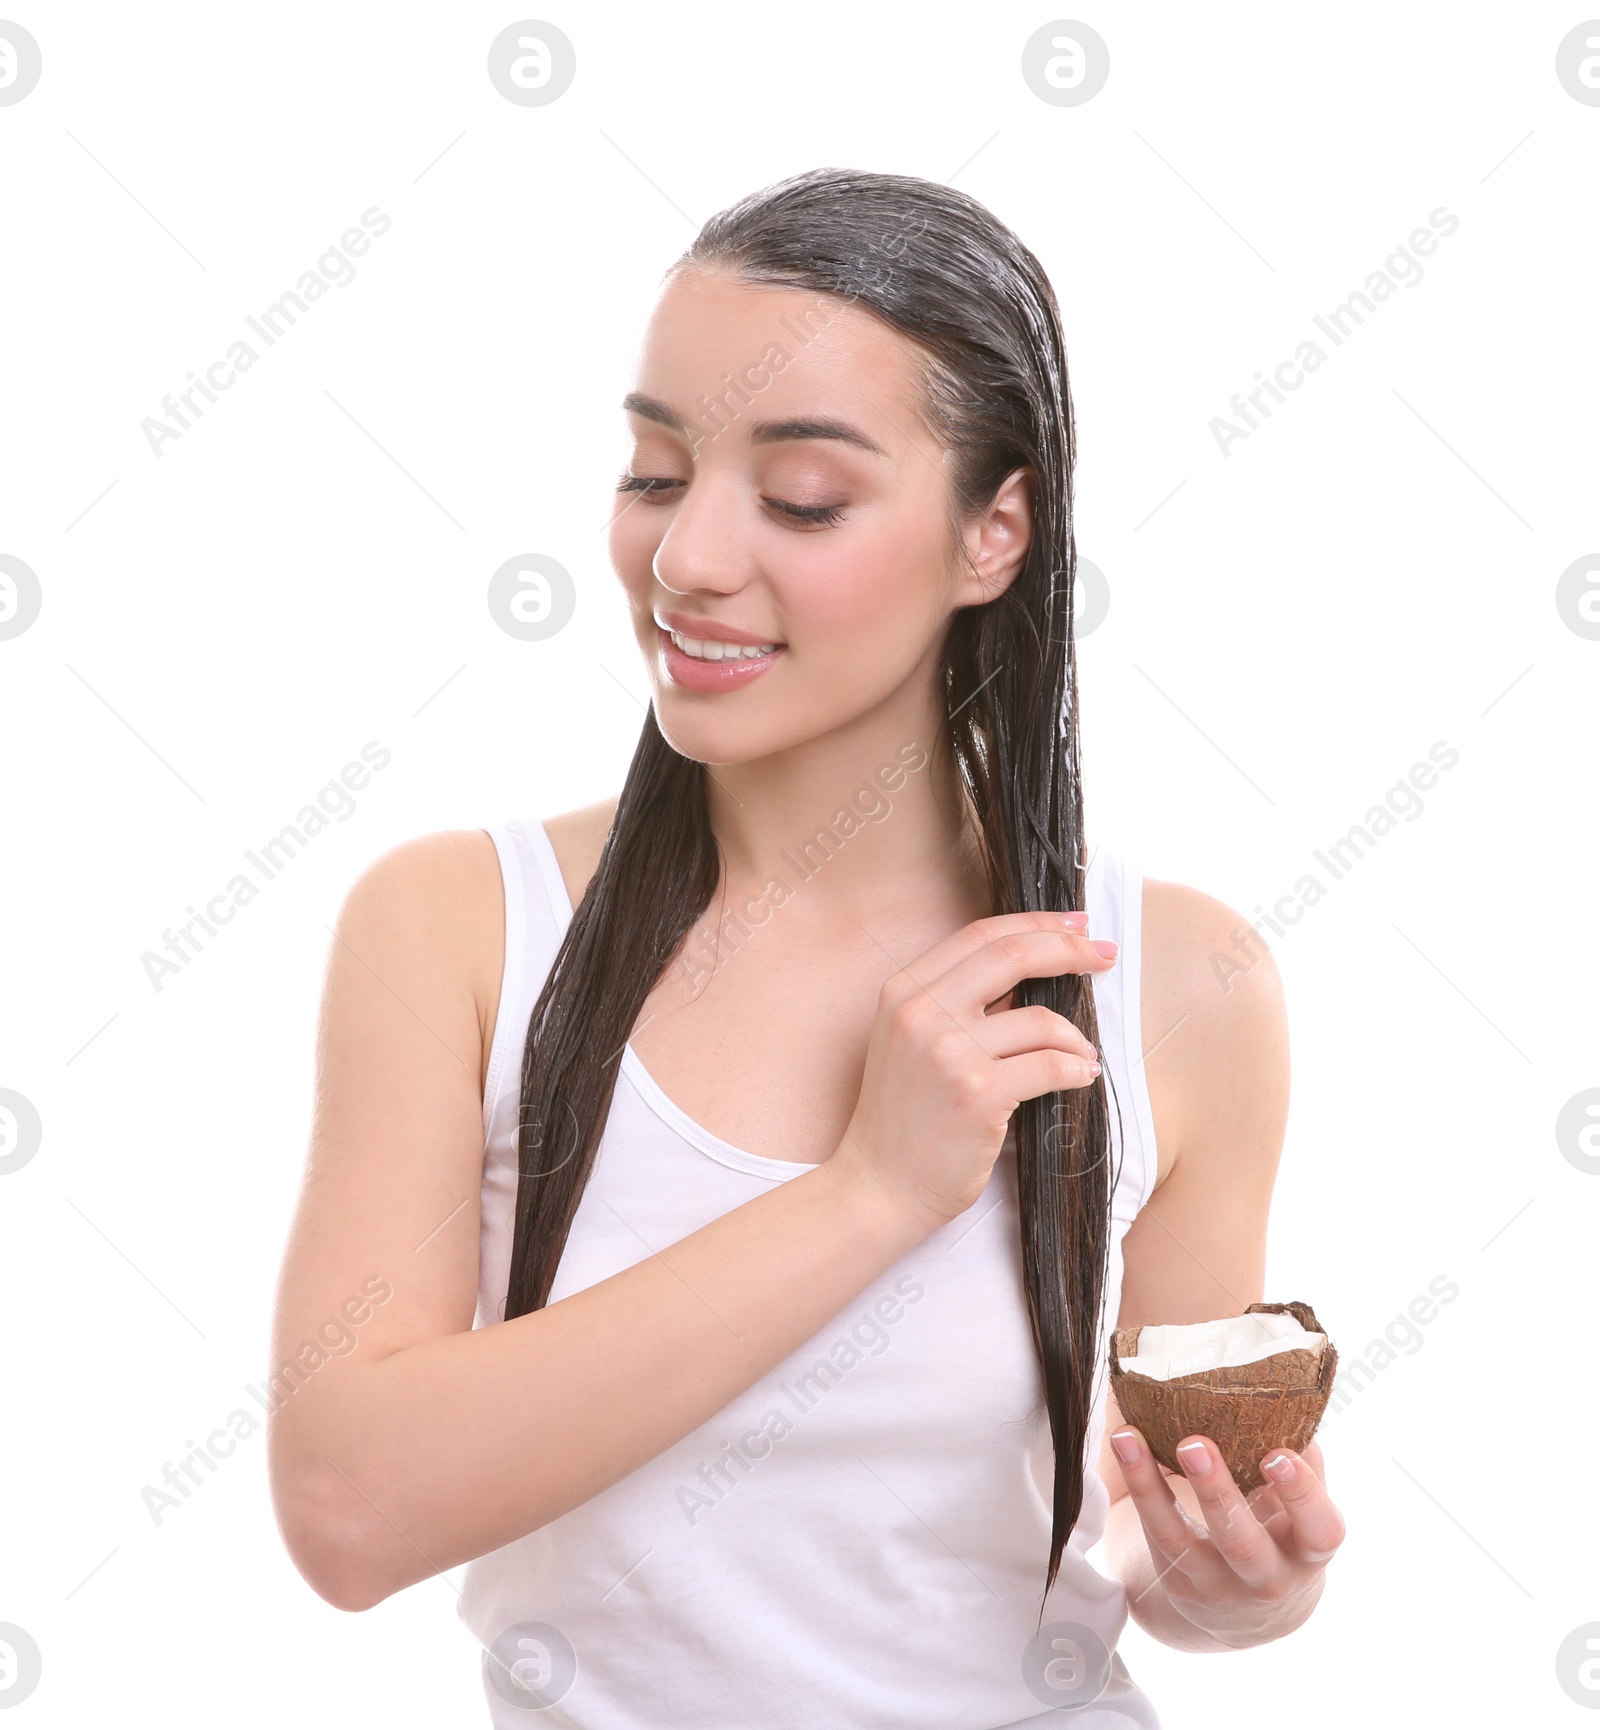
[712, 663]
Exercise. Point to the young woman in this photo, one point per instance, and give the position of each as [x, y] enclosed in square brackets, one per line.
[736, 1153]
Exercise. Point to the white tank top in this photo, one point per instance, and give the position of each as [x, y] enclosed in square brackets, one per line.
[860, 1538]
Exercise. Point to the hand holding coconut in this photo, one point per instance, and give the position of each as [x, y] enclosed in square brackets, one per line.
[1232, 1405]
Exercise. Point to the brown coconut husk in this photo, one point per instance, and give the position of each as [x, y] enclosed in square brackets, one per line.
[1246, 1409]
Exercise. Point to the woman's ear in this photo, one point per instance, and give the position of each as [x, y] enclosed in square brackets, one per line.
[997, 541]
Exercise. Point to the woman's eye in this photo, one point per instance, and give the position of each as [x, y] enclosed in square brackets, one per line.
[809, 513]
[649, 485]
[660, 488]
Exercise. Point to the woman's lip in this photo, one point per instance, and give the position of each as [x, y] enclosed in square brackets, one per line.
[695, 675]
[699, 630]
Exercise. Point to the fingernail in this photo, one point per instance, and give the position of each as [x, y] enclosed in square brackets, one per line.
[1125, 1444]
[1280, 1467]
[1074, 921]
[1104, 946]
[1196, 1460]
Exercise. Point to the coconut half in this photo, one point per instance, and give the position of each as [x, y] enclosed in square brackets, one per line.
[1251, 1383]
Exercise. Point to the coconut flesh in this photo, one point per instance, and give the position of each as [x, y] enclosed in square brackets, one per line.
[1176, 1350]
[1251, 1382]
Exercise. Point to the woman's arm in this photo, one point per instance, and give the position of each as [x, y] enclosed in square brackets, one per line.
[423, 1442]
[1207, 1569]
[427, 1443]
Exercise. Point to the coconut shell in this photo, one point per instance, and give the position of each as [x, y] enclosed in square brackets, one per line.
[1246, 1409]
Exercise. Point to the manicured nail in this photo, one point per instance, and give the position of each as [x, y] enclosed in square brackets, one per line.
[1074, 921]
[1196, 1460]
[1125, 1444]
[1280, 1467]
[1104, 946]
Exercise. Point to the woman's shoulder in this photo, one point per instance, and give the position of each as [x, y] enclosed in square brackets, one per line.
[427, 917]
[1213, 1026]
[1199, 951]
[444, 885]
[436, 903]
[448, 885]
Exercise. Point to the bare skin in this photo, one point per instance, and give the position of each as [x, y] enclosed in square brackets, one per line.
[827, 1040]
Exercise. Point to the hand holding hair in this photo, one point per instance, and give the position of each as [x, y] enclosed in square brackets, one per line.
[943, 1076]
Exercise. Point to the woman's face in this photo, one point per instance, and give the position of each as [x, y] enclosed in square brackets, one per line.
[782, 491]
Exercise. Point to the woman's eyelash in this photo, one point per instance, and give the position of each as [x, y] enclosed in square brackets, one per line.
[649, 484]
[810, 513]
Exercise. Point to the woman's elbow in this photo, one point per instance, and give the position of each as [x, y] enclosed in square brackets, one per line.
[334, 1547]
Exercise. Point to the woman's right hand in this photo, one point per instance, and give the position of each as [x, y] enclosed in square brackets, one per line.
[944, 1074]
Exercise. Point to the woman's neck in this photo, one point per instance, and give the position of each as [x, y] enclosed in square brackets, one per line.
[854, 825]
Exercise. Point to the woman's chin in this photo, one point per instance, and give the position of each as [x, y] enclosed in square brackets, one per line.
[720, 739]
[701, 737]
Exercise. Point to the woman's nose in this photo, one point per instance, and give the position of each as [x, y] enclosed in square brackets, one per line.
[704, 546]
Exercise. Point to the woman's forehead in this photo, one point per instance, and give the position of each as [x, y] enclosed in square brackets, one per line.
[786, 362]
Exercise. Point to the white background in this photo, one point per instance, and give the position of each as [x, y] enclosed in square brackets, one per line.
[1291, 626]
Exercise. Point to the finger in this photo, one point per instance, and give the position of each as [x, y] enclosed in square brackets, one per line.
[1237, 1534]
[1000, 964]
[1033, 1073]
[1031, 1028]
[932, 968]
[967, 939]
[1316, 1527]
[1176, 1543]
[1266, 1507]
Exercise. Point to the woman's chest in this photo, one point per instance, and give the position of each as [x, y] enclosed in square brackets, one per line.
[766, 1051]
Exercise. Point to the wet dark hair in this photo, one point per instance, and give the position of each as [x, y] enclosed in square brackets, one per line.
[937, 267]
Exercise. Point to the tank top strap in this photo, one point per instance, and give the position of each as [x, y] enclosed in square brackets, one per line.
[537, 915]
[1114, 900]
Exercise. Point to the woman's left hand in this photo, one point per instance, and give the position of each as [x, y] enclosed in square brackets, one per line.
[1254, 1571]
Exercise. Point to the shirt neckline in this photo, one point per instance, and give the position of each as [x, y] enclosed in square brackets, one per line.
[673, 1115]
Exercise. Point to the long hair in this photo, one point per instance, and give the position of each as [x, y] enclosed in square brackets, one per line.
[934, 265]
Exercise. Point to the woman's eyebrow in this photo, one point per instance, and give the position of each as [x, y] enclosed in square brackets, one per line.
[766, 432]
[763, 432]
